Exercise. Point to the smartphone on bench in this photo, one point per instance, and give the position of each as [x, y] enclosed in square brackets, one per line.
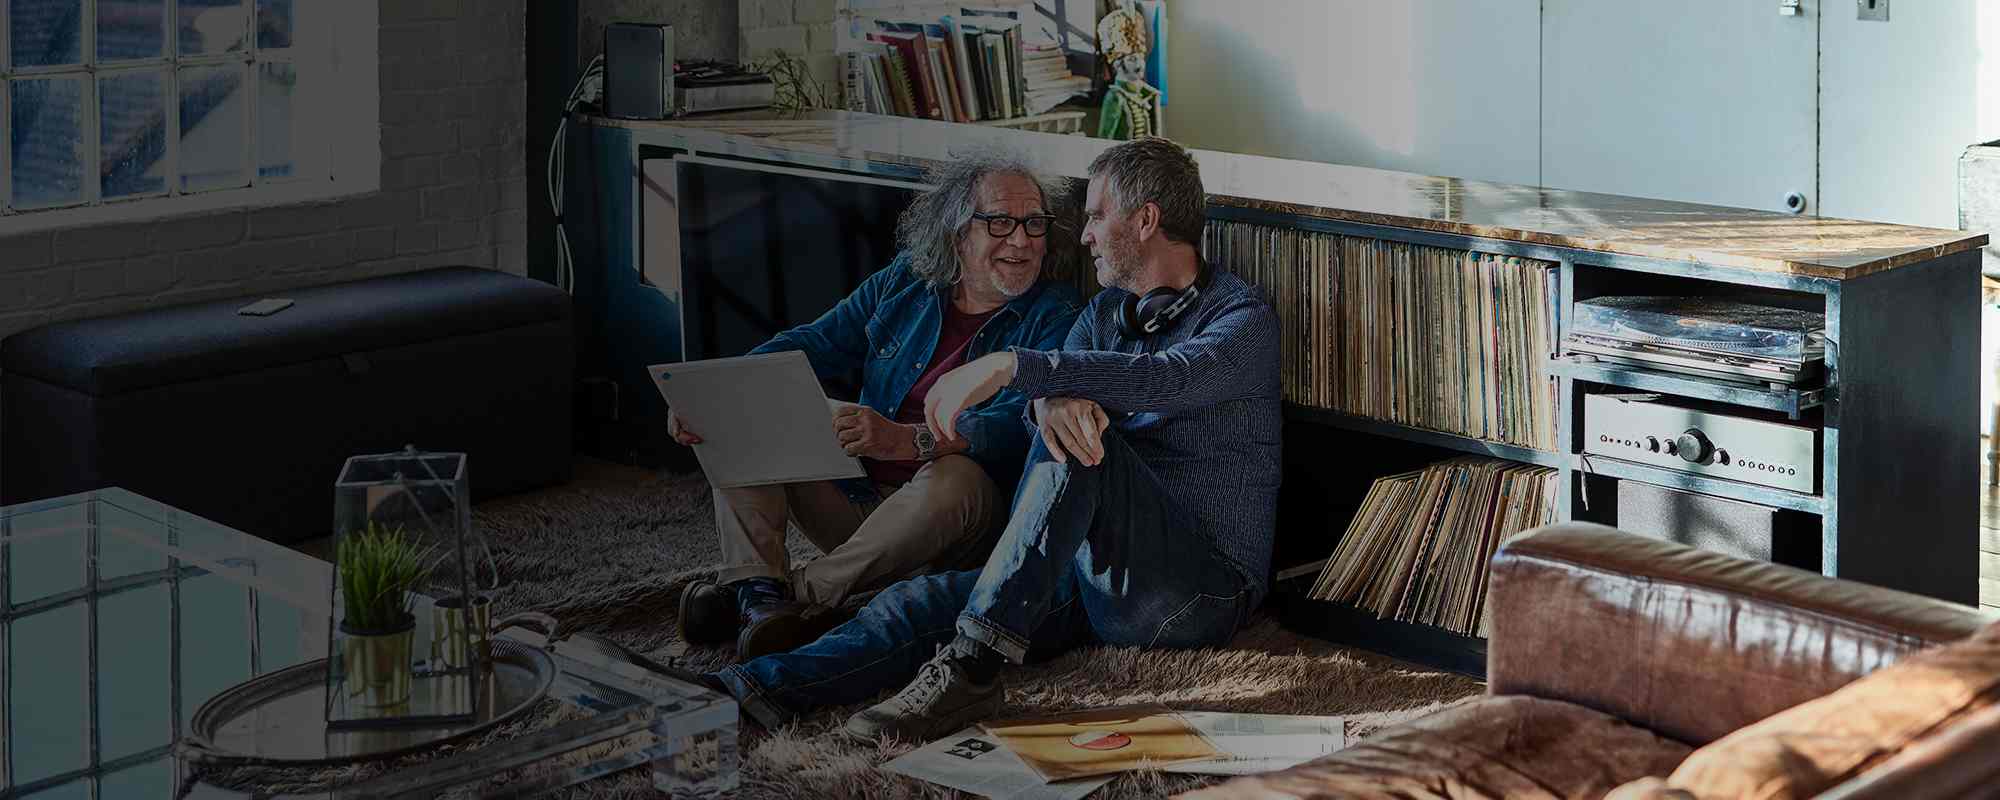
[265, 307]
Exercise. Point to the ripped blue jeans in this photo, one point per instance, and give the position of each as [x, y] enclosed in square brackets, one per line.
[1090, 555]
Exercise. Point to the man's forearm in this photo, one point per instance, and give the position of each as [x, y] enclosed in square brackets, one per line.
[1207, 368]
[1128, 382]
[946, 447]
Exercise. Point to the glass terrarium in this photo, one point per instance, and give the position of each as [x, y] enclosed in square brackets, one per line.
[410, 620]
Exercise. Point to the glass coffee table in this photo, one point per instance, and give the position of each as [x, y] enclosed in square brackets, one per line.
[121, 618]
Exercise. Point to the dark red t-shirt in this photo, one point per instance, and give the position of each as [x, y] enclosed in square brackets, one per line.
[954, 338]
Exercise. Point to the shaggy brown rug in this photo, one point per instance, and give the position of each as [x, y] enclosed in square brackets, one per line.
[609, 552]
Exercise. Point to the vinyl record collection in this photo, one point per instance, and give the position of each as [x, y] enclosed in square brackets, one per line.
[1418, 549]
[1430, 337]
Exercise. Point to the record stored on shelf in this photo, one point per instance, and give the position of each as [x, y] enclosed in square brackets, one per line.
[1718, 337]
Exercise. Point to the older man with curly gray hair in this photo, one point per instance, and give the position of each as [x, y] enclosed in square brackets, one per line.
[972, 279]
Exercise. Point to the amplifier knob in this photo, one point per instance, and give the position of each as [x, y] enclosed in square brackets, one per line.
[1722, 457]
[1694, 447]
[1652, 444]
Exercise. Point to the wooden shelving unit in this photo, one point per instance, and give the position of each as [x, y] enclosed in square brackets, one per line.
[1463, 444]
[1351, 626]
[1790, 400]
[1058, 121]
[1873, 376]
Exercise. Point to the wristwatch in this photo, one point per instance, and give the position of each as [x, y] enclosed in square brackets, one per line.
[926, 443]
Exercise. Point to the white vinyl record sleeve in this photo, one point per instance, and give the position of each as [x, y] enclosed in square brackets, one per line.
[763, 419]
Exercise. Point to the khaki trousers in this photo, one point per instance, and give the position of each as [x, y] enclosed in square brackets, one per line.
[945, 518]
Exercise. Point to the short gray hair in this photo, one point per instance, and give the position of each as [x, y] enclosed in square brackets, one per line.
[932, 227]
[1155, 170]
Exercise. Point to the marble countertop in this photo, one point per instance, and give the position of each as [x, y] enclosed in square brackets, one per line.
[1719, 236]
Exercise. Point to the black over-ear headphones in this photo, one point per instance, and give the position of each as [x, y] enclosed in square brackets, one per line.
[1161, 308]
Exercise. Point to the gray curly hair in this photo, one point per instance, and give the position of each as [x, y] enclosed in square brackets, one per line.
[931, 229]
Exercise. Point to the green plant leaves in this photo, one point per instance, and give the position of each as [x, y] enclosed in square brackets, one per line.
[379, 568]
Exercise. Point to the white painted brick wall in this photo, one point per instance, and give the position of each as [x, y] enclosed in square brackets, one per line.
[453, 80]
[762, 42]
[810, 12]
[801, 28]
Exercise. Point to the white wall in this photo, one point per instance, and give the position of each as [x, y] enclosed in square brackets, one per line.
[1714, 103]
[1899, 102]
[1440, 87]
[1448, 87]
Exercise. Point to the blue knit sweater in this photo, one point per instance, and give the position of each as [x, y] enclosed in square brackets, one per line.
[1200, 404]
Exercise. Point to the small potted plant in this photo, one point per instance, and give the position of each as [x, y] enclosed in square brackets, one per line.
[380, 569]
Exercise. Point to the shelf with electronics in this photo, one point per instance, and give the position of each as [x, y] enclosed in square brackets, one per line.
[1422, 320]
[1381, 510]
[1088, 67]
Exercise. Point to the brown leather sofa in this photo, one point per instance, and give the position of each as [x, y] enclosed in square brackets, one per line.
[1613, 657]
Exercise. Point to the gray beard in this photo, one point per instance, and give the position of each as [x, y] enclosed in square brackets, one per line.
[1000, 285]
[1121, 273]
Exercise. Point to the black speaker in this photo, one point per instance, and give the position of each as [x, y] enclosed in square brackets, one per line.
[638, 70]
[1732, 527]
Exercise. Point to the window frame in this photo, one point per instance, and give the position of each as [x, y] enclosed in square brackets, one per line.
[346, 112]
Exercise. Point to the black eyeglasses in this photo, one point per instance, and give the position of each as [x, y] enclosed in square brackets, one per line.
[1001, 226]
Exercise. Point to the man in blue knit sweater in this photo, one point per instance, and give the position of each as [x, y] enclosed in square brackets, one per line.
[1145, 514]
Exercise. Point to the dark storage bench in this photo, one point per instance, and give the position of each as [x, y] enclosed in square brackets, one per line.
[246, 420]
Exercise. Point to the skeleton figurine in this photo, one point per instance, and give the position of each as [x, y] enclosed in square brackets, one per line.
[1127, 112]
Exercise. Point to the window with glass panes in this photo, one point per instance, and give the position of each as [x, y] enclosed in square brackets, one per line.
[103, 101]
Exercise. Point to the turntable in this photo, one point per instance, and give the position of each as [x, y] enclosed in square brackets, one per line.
[1713, 337]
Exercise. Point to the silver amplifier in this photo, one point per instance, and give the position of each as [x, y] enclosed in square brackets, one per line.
[1648, 430]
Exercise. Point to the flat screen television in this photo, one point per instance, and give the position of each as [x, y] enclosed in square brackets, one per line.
[766, 248]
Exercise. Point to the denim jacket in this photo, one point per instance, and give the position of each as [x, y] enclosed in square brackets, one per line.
[889, 327]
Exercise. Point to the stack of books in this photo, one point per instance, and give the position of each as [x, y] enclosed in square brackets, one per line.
[1429, 337]
[1048, 79]
[1418, 549]
[975, 66]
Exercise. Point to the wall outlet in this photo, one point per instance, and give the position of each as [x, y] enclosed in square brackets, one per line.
[1872, 10]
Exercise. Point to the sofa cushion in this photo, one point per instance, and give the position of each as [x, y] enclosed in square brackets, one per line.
[1643, 629]
[1815, 745]
[1492, 747]
[112, 355]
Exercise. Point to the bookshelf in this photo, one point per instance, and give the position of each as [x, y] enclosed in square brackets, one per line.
[1046, 74]
[1896, 501]
[1009, 64]
[1438, 439]
[1061, 120]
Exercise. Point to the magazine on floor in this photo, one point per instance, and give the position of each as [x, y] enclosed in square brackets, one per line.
[972, 761]
[1102, 741]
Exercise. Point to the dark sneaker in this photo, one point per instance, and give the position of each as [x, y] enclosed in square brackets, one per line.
[784, 627]
[708, 614]
[940, 702]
